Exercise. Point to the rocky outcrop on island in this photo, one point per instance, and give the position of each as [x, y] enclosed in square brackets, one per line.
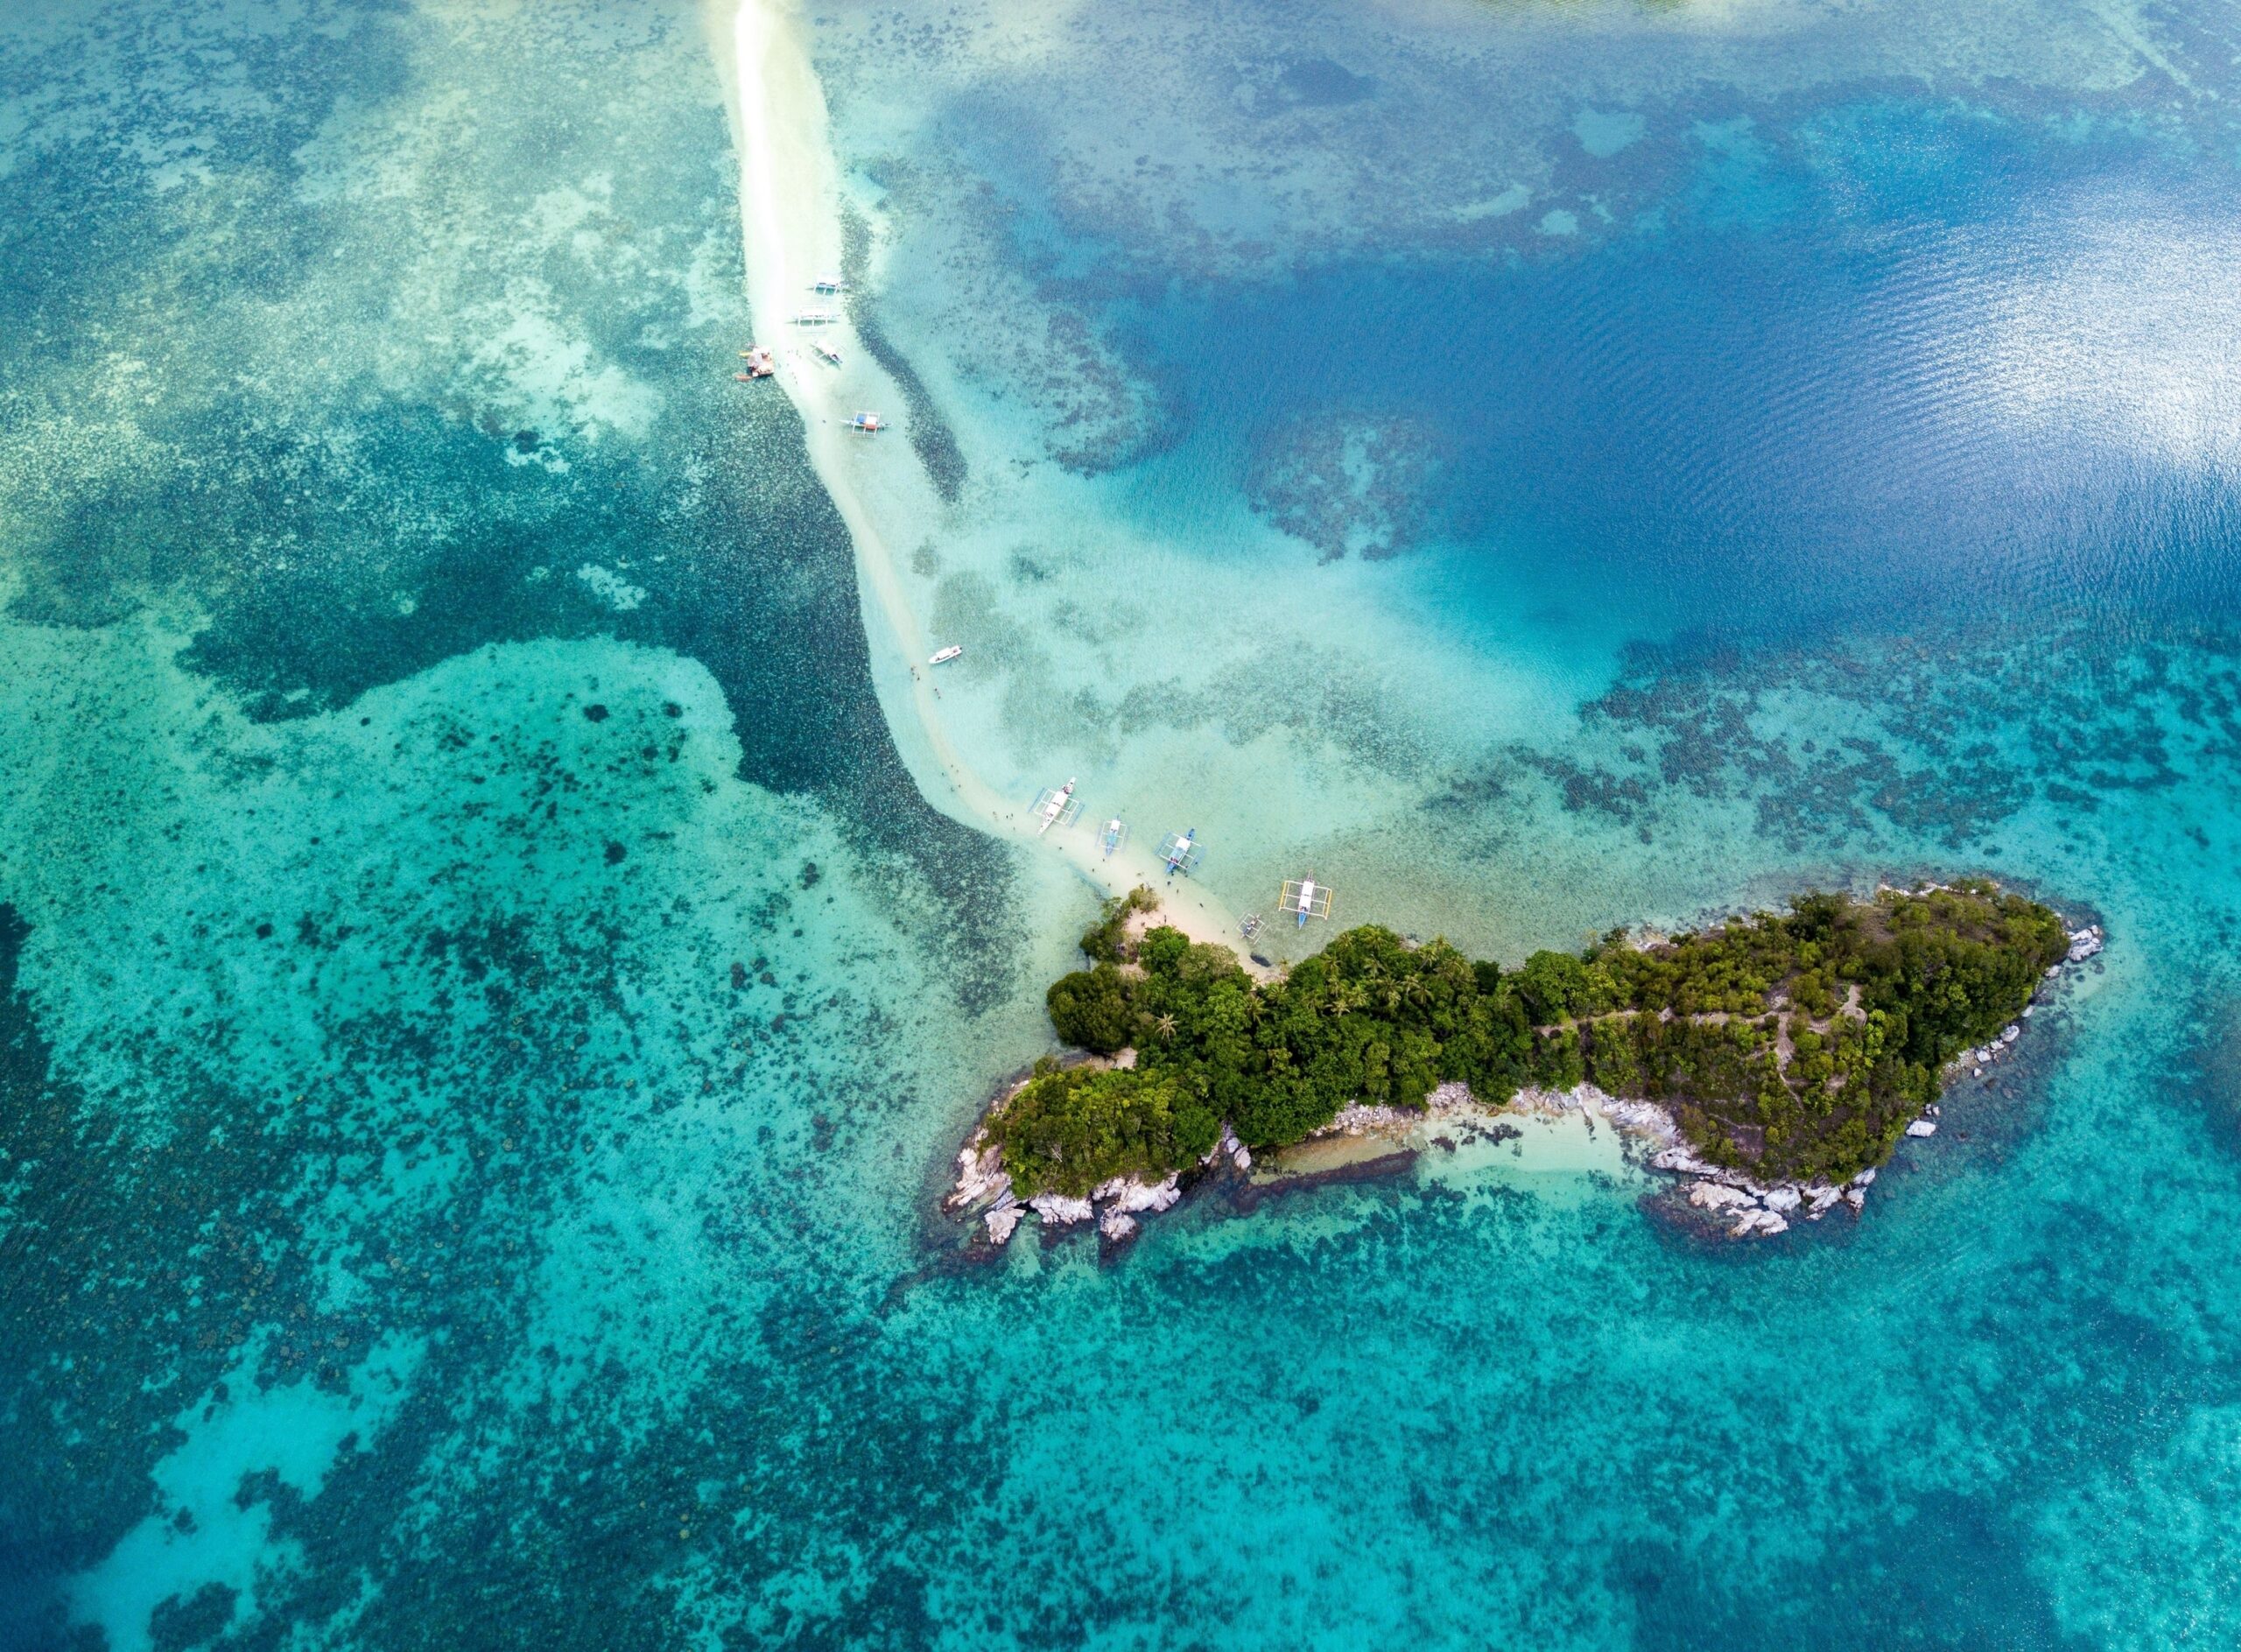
[982, 1184]
[1755, 1210]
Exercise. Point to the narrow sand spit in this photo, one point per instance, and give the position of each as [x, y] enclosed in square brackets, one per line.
[790, 216]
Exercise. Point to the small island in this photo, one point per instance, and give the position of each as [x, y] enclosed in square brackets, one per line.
[1780, 1056]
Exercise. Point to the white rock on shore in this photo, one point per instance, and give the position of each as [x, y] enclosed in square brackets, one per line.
[1116, 1224]
[1352, 1121]
[1127, 1195]
[1922, 1127]
[1683, 1161]
[980, 1175]
[1642, 1118]
[1230, 1146]
[1058, 1210]
[1782, 1198]
[1002, 1221]
[1715, 1196]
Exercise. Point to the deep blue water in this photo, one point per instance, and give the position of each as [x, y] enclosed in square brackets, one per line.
[1757, 429]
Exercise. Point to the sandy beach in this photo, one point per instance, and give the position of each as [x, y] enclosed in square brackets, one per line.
[791, 223]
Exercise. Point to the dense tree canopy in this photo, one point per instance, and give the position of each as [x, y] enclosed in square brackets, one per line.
[1796, 1045]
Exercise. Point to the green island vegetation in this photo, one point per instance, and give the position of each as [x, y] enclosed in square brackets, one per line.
[1791, 1046]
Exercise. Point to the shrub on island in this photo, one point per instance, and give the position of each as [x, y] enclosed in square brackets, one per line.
[1793, 1046]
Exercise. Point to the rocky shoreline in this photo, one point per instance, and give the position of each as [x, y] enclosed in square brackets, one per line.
[1730, 1201]
[982, 1185]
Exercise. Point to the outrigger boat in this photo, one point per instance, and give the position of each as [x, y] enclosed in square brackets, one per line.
[868, 424]
[829, 283]
[1056, 808]
[1306, 897]
[759, 362]
[826, 351]
[1112, 835]
[817, 318]
[943, 656]
[1180, 852]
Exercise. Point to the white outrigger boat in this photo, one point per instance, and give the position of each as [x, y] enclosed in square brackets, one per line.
[829, 283]
[1180, 852]
[1304, 897]
[825, 350]
[1111, 835]
[943, 656]
[817, 318]
[1056, 808]
[867, 423]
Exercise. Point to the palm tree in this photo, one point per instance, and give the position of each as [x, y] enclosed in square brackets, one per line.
[1166, 1025]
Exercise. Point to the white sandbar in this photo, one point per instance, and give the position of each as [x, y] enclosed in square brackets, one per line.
[790, 216]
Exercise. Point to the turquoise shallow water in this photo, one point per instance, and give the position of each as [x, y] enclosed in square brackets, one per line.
[486, 1011]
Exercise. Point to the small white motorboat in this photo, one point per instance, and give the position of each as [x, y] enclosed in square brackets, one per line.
[943, 657]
